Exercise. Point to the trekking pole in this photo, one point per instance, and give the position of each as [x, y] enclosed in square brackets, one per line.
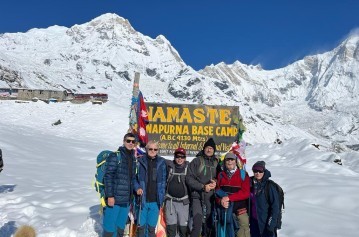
[225, 222]
[215, 220]
[139, 211]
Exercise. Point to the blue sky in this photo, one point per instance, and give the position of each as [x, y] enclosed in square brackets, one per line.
[273, 33]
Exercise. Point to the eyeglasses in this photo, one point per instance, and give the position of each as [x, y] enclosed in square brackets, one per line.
[257, 171]
[181, 157]
[129, 141]
[152, 149]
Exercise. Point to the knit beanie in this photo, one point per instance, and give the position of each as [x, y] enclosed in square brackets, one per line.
[180, 150]
[259, 165]
[210, 142]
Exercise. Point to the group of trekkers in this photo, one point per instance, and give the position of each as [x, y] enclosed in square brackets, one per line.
[200, 198]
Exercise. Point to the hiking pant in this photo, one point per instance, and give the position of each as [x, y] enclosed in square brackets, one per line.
[176, 214]
[243, 221]
[255, 232]
[148, 219]
[115, 218]
[198, 218]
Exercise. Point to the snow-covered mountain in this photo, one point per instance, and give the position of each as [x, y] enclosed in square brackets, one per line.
[315, 98]
[319, 94]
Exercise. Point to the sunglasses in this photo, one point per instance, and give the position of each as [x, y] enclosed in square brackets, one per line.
[152, 149]
[181, 157]
[131, 141]
[257, 171]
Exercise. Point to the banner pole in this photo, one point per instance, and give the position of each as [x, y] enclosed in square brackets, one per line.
[133, 116]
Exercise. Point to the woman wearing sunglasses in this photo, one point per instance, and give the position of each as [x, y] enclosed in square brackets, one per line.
[150, 187]
[264, 210]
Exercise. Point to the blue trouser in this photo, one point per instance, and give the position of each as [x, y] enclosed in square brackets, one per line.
[149, 215]
[115, 217]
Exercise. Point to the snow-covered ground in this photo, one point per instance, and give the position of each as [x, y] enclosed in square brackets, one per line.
[46, 181]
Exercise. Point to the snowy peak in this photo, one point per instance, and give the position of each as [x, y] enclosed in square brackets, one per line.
[105, 27]
[109, 20]
[87, 56]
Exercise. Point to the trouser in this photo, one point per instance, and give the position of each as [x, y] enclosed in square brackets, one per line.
[148, 219]
[243, 221]
[176, 215]
[199, 220]
[255, 232]
[114, 220]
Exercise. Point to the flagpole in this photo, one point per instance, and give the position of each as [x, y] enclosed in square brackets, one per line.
[136, 85]
[133, 116]
[133, 125]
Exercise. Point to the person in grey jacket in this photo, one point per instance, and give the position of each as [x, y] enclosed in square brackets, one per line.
[177, 200]
[201, 180]
[119, 176]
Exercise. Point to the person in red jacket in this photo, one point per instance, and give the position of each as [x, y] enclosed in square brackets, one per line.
[233, 193]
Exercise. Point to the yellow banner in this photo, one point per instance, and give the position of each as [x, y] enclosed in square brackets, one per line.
[189, 126]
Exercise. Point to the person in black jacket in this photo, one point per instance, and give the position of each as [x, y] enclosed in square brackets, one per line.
[201, 180]
[119, 176]
[264, 213]
[177, 200]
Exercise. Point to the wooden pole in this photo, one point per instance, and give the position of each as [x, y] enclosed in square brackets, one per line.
[133, 116]
[136, 85]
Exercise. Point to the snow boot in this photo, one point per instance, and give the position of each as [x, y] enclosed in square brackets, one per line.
[120, 232]
[171, 230]
[152, 231]
[107, 234]
[140, 231]
[183, 231]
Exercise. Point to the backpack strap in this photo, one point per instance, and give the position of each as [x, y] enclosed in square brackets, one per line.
[201, 166]
[266, 193]
[101, 163]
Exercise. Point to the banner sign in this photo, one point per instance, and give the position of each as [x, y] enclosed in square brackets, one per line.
[189, 126]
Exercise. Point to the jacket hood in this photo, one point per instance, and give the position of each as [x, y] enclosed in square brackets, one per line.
[267, 175]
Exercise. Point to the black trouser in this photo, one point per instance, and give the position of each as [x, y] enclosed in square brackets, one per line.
[199, 223]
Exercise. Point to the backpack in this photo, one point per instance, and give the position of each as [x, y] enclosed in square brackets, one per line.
[281, 200]
[171, 174]
[100, 173]
[202, 166]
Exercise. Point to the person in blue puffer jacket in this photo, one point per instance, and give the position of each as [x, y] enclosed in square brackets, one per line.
[119, 176]
[264, 214]
[150, 187]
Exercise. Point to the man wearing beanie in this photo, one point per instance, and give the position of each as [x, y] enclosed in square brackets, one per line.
[201, 180]
[176, 199]
[264, 214]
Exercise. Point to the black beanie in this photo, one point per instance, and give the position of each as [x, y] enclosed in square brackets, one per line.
[210, 142]
[259, 165]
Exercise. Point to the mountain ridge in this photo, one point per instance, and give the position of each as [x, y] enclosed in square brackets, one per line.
[103, 55]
